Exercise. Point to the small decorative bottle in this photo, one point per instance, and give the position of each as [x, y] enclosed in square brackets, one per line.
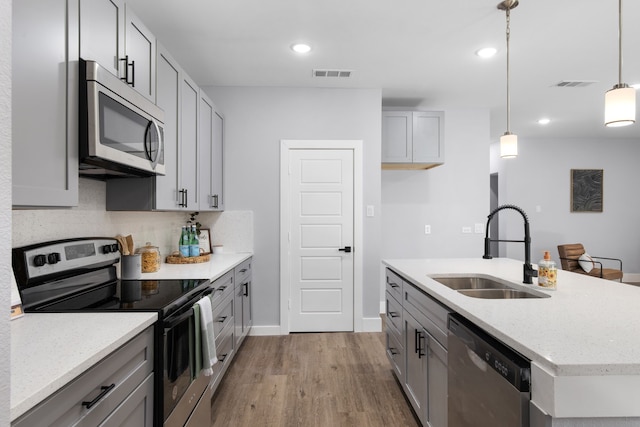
[547, 272]
[183, 244]
[194, 243]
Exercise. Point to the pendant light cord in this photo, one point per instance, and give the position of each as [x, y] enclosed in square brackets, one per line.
[508, 33]
[620, 43]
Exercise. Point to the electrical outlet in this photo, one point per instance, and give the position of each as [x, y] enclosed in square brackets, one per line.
[466, 230]
[427, 229]
[370, 210]
[479, 228]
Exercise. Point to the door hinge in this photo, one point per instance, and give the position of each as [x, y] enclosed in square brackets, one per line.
[289, 303]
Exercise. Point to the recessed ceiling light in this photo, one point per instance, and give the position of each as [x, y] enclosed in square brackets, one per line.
[486, 52]
[544, 121]
[300, 48]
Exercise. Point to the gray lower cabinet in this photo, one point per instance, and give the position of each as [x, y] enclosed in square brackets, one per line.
[224, 315]
[117, 391]
[419, 355]
[44, 103]
[244, 319]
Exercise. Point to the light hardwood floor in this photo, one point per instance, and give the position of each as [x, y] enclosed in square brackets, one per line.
[319, 379]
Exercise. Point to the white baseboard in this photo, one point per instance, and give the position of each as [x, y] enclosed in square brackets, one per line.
[372, 324]
[369, 324]
[259, 331]
[631, 277]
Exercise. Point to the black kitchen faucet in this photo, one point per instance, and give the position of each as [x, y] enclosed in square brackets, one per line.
[529, 271]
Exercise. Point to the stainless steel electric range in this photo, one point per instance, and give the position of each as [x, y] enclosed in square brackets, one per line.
[79, 275]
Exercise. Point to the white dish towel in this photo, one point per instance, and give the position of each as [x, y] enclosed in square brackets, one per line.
[209, 357]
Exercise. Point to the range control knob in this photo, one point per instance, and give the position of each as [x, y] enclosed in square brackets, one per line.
[39, 260]
[114, 247]
[53, 258]
[106, 249]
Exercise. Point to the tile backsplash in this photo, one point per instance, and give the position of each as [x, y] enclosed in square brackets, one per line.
[232, 229]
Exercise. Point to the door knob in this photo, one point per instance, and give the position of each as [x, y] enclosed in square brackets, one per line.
[346, 249]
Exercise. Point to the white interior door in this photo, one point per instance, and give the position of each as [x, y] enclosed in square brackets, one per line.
[321, 230]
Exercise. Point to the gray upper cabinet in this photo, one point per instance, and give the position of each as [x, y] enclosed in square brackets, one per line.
[412, 139]
[112, 35]
[188, 164]
[140, 55]
[102, 33]
[177, 190]
[210, 156]
[45, 103]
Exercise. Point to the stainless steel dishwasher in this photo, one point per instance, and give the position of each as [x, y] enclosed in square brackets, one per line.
[489, 383]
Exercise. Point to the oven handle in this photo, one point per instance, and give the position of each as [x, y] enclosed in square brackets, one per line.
[177, 320]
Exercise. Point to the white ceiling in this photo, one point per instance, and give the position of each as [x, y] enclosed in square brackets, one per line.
[417, 51]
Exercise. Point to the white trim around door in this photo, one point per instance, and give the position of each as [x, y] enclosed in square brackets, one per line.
[285, 208]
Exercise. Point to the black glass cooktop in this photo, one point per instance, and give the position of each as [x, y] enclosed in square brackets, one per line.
[125, 295]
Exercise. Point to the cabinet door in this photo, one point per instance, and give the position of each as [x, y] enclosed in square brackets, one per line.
[45, 103]
[210, 156]
[416, 366]
[167, 186]
[188, 155]
[140, 49]
[247, 319]
[437, 387]
[136, 410]
[102, 33]
[396, 136]
[217, 163]
[427, 137]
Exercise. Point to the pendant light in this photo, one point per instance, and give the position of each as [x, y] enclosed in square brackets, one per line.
[508, 141]
[620, 102]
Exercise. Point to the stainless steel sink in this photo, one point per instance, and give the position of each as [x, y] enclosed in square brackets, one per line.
[470, 282]
[482, 286]
[500, 293]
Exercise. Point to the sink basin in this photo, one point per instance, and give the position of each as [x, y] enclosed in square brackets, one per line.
[470, 282]
[500, 293]
[488, 287]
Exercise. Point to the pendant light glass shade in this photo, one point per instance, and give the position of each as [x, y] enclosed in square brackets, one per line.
[508, 145]
[620, 102]
[620, 106]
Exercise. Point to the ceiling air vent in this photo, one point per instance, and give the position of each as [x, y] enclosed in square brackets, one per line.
[332, 73]
[575, 83]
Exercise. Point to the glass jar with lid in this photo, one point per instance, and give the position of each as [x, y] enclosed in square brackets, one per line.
[150, 258]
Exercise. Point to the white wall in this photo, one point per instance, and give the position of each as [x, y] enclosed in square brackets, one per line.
[540, 176]
[256, 119]
[447, 197]
[5, 204]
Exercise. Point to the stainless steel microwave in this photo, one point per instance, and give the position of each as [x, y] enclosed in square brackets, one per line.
[121, 131]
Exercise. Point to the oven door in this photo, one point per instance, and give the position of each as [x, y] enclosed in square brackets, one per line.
[123, 129]
[178, 358]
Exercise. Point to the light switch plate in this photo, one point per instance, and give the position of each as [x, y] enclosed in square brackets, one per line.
[370, 211]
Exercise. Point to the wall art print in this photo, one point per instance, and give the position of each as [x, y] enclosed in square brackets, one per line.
[586, 190]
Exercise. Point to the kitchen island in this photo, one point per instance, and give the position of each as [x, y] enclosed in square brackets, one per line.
[582, 341]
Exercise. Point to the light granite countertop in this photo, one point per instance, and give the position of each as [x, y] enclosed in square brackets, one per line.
[218, 265]
[582, 341]
[48, 350]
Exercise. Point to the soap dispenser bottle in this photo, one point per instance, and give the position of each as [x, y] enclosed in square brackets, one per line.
[547, 272]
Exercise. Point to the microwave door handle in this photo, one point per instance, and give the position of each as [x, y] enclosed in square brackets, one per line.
[147, 143]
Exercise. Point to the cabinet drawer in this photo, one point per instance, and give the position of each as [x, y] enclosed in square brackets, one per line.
[394, 313]
[395, 354]
[431, 314]
[243, 271]
[117, 376]
[224, 352]
[222, 288]
[394, 285]
[223, 315]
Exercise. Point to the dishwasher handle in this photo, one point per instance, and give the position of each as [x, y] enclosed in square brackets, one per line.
[511, 365]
